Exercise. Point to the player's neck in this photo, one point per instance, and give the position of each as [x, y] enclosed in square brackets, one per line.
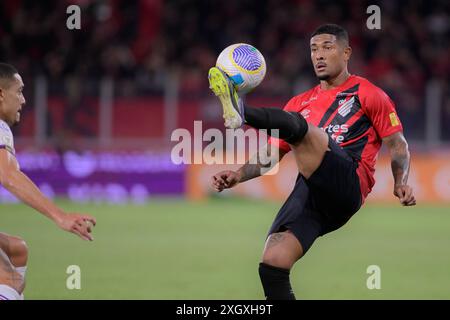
[336, 81]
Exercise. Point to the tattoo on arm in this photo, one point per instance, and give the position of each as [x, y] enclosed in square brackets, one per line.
[254, 167]
[400, 158]
[249, 171]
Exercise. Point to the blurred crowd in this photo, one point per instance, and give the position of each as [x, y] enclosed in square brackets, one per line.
[142, 44]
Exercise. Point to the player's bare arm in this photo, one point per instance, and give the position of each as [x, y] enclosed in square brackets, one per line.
[400, 163]
[23, 188]
[250, 170]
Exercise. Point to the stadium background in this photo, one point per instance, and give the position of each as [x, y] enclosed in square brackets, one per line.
[103, 101]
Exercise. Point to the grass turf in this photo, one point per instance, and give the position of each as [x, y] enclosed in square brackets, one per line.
[173, 249]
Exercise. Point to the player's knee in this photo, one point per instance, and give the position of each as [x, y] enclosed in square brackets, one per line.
[275, 259]
[18, 251]
[282, 250]
[299, 128]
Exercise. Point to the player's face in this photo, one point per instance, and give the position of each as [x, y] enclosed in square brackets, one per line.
[329, 56]
[12, 100]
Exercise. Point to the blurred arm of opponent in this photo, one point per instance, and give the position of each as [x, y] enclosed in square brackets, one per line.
[250, 170]
[15, 181]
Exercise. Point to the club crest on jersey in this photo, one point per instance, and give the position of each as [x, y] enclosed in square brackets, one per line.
[345, 106]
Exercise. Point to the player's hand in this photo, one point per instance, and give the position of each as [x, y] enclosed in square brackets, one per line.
[224, 180]
[80, 224]
[405, 195]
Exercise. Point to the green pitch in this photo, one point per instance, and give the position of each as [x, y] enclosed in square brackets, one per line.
[172, 249]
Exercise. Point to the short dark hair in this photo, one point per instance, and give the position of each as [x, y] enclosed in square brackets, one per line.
[7, 72]
[334, 29]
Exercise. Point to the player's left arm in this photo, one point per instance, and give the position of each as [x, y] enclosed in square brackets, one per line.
[381, 112]
[400, 163]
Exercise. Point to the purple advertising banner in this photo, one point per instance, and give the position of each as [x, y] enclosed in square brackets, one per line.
[115, 177]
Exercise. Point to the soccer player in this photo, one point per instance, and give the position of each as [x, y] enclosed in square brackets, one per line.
[13, 250]
[335, 131]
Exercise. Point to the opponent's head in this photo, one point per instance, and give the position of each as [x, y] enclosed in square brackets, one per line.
[11, 96]
[330, 51]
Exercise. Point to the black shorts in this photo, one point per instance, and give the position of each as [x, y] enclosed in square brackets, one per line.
[324, 202]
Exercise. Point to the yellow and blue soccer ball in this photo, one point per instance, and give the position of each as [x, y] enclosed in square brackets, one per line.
[244, 64]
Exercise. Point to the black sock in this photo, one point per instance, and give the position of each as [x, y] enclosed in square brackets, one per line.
[291, 125]
[275, 282]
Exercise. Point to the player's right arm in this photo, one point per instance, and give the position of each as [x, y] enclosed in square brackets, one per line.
[254, 168]
[250, 170]
[15, 181]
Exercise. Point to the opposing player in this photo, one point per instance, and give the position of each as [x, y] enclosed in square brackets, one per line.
[335, 131]
[13, 250]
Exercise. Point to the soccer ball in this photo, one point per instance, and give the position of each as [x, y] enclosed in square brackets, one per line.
[244, 64]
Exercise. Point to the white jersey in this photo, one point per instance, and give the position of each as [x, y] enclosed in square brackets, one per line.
[6, 137]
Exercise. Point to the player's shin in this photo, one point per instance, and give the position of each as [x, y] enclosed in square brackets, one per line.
[22, 271]
[275, 282]
[292, 127]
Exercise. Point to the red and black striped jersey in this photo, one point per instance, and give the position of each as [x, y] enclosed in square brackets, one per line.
[356, 114]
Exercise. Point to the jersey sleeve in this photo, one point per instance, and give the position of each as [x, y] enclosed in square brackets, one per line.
[6, 137]
[381, 111]
[292, 105]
